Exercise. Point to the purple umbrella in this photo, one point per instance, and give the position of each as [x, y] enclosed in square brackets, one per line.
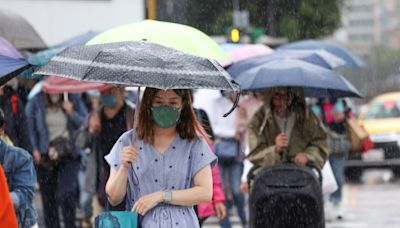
[6, 49]
[12, 62]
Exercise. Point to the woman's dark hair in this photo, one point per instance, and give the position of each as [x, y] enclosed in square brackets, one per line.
[187, 126]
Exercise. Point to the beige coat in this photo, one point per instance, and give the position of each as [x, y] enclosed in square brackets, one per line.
[308, 134]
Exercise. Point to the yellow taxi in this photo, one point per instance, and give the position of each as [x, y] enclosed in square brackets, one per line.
[382, 121]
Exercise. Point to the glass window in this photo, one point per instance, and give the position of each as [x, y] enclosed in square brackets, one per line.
[384, 109]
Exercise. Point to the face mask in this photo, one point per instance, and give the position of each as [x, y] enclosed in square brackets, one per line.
[109, 101]
[165, 116]
[54, 98]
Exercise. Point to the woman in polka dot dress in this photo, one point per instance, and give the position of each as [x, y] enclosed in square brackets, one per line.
[163, 167]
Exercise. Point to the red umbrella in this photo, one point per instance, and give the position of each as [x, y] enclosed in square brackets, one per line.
[55, 84]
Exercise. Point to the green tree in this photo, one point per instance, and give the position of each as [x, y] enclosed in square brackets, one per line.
[295, 19]
[210, 16]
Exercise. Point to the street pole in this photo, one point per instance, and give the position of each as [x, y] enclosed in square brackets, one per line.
[152, 9]
[236, 5]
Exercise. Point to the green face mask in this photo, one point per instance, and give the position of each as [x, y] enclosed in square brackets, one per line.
[165, 116]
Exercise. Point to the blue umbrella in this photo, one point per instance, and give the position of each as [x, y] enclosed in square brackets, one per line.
[316, 81]
[319, 57]
[41, 58]
[351, 59]
[11, 67]
[77, 40]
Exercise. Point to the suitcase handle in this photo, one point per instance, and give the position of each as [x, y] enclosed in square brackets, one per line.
[313, 166]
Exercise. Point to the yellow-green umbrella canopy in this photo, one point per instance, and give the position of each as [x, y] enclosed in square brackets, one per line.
[181, 37]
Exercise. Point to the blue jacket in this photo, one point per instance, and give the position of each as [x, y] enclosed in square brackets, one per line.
[21, 179]
[36, 116]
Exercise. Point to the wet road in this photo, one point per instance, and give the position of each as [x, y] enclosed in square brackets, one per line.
[373, 203]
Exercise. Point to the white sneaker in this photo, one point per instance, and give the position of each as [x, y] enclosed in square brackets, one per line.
[328, 209]
[338, 211]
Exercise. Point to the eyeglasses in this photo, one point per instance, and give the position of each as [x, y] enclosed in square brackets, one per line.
[280, 96]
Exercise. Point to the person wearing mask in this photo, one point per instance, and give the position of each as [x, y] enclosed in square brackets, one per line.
[284, 129]
[52, 122]
[163, 167]
[21, 179]
[114, 118]
[339, 148]
[105, 125]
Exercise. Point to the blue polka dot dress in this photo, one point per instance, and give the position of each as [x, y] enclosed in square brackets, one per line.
[153, 171]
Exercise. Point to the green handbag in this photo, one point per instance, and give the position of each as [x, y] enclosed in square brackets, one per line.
[117, 219]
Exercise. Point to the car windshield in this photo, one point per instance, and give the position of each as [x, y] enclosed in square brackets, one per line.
[384, 109]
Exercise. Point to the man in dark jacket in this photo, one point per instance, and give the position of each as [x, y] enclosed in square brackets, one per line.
[14, 113]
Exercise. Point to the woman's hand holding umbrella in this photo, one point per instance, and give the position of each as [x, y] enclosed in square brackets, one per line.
[281, 142]
[128, 156]
[68, 108]
[94, 123]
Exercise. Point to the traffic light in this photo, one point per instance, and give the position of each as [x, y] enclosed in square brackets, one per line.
[235, 35]
[232, 34]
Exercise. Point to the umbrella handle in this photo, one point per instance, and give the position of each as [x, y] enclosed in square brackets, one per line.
[65, 96]
[235, 104]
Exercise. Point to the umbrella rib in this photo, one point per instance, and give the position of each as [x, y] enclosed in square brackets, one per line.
[135, 68]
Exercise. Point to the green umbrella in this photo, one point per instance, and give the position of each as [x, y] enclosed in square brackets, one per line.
[181, 37]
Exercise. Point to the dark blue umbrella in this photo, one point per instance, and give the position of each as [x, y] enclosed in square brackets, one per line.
[319, 57]
[316, 81]
[351, 59]
[10, 67]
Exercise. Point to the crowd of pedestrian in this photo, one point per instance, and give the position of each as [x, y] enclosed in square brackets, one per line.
[78, 150]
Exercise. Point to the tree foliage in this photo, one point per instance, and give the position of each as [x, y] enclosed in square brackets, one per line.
[295, 19]
[210, 16]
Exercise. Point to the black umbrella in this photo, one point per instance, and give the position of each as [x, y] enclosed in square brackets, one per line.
[139, 64]
[16, 30]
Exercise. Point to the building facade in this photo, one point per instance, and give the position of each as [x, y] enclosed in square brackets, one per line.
[57, 20]
[369, 23]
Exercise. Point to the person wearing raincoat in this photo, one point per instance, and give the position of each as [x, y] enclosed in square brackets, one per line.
[284, 129]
